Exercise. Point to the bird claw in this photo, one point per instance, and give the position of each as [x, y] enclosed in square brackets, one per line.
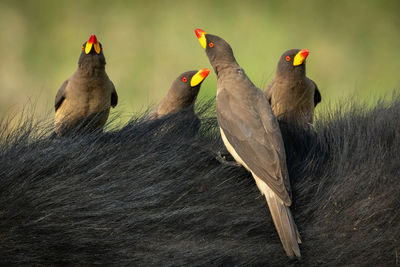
[224, 161]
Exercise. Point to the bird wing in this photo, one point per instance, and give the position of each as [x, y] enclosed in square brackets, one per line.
[60, 96]
[317, 94]
[114, 96]
[253, 132]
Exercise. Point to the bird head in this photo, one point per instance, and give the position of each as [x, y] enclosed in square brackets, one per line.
[92, 46]
[293, 61]
[187, 85]
[217, 49]
[191, 79]
[92, 53]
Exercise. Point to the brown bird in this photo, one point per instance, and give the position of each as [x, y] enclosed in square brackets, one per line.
[84, 99]
[251, 133]
[181, 95]
[293, 96]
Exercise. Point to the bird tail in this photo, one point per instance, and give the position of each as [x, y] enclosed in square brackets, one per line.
[283, 220]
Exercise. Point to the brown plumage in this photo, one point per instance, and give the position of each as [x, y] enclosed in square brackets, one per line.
[84, 100]
[251, 133]
[293, 96]
[181, 95]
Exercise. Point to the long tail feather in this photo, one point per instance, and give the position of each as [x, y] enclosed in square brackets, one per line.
[283, 220]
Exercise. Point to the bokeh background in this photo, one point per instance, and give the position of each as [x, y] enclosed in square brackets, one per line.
[354, 45]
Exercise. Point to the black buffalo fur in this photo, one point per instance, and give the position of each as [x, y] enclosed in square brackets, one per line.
[146, 194]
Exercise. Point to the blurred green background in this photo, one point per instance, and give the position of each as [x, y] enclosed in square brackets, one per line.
[354, 45]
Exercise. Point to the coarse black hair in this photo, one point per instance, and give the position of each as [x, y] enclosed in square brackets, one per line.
[146, 194]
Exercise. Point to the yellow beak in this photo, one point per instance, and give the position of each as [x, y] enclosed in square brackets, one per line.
[92, 43]
[88, 47]
[97, 48]
[300, 57]
[199, 77]
[201, 35]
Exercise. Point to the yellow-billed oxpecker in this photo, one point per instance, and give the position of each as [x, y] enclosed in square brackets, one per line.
[181, 95]
[293, 96]
[251, 133]
[84, 99]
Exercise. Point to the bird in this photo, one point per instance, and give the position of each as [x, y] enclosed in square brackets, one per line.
[84, 99]
[251, 133]
[181, 95]
[292, 96]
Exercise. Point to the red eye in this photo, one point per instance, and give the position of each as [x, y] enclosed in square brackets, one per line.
[83, 48]
[211, 44]
[287, 58]
[184, 79]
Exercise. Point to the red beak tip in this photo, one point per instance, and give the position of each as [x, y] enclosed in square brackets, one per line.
[198, 32]
[305, 52]
[92, 39]
[204, 72]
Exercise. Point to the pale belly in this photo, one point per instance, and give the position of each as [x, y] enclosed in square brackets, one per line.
[232, 150]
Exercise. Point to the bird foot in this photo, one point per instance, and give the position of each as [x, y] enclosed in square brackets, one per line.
[222, 159]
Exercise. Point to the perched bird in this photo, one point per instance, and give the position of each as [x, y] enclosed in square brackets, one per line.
[84, 99]
[291, 94]
[251, 133]
[181, 95]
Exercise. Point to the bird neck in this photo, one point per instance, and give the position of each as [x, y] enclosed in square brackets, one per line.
[85, 70]
[172, 103]
[179, 99]
[296, 74]
[225, 67]
[91, 65]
